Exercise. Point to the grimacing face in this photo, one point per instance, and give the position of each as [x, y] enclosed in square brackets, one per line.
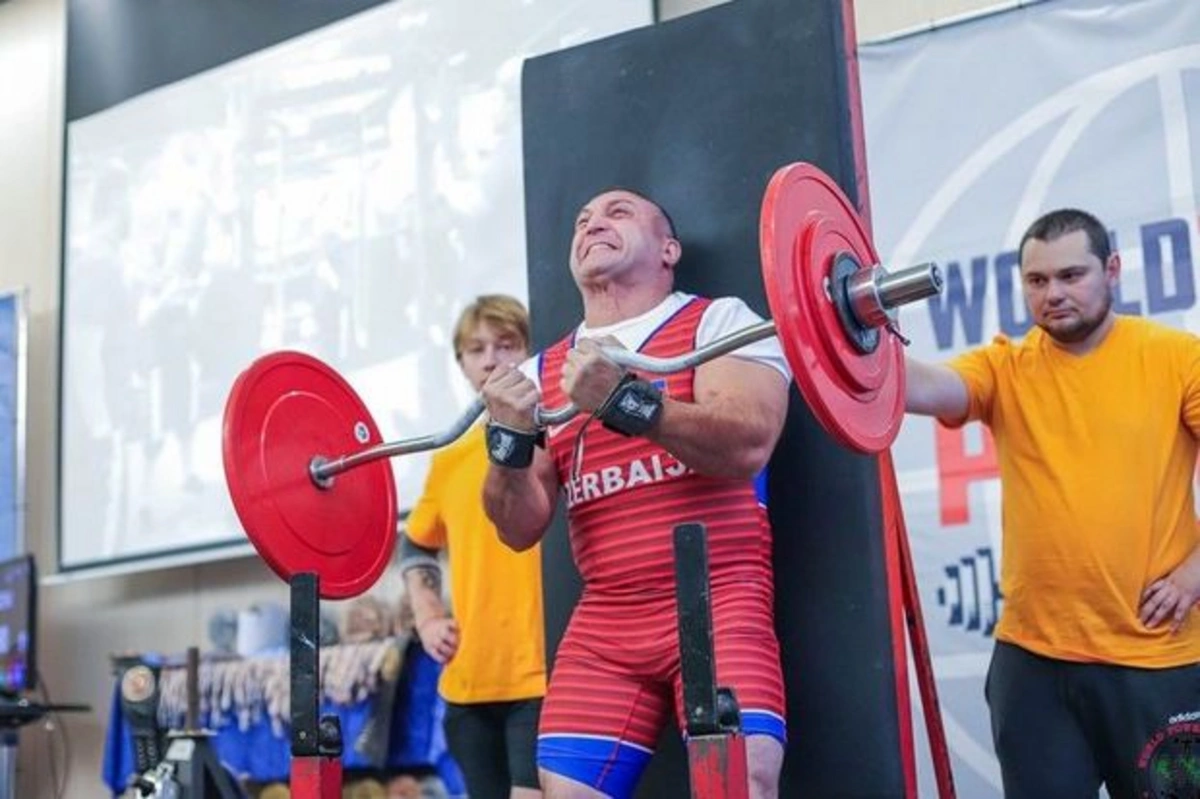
[487, 347]
[616, 234]
[1068, 289]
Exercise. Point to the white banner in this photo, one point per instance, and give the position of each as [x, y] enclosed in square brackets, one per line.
[973, 130]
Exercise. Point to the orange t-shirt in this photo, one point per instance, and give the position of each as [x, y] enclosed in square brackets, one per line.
[1096, 456]
[495, 593]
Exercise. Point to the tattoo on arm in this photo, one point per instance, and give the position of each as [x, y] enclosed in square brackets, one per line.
[430, 577]
[423, 561]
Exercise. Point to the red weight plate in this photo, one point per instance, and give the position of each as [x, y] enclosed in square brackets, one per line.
[806, 221]
[286, 408]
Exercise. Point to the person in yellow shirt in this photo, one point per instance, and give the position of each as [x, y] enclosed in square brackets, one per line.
[492, 644]
[1094, 676]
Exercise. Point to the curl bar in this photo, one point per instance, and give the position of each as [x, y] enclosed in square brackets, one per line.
[866, 300]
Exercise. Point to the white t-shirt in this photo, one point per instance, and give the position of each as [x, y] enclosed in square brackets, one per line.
[724, 316]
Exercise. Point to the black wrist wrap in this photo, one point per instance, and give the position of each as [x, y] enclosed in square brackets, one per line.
[632, 408]
[509, 447]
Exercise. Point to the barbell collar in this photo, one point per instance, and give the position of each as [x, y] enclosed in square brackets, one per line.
[874, 293]
[909, 285]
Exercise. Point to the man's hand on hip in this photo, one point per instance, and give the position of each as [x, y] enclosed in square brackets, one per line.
[1172, 597]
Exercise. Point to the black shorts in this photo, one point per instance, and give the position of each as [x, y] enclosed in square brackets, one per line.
[494, 745]
[1061, 729]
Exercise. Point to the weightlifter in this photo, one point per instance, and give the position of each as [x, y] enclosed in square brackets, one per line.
[640, 458]
[493, 643]
[1094, 676]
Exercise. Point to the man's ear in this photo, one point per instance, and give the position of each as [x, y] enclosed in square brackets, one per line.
[672, 252]
[1112, 269]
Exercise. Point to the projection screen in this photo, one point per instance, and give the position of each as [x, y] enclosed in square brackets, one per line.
[344, 193]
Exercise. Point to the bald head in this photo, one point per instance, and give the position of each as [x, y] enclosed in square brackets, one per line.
[666, 225]
[623, 236]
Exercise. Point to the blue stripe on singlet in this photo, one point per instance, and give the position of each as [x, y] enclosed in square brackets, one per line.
[605, 764]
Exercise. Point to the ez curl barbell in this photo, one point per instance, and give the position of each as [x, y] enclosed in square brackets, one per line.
[292, 424]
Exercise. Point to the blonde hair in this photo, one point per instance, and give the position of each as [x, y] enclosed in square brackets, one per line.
[503, 312]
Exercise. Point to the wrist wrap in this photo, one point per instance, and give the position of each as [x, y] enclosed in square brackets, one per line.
[632, 408]
[509, 447]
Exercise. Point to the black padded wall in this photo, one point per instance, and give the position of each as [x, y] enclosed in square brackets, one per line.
[698, 113]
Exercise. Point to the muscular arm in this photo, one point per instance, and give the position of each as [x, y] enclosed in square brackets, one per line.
[520, 502]
[732, 427]
[934, 390]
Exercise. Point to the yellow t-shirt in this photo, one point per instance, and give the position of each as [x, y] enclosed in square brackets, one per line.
[1096, 456]
[496, 593]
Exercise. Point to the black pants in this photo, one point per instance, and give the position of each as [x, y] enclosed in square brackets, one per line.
[1061, 729]
[494, 745]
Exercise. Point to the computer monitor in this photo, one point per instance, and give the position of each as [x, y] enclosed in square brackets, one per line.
[18, 625]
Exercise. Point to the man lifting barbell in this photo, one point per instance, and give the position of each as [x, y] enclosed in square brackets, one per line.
[306, 472]
[635, 462]
[640, 458]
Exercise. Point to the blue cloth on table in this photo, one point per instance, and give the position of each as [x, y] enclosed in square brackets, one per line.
[416, 737]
